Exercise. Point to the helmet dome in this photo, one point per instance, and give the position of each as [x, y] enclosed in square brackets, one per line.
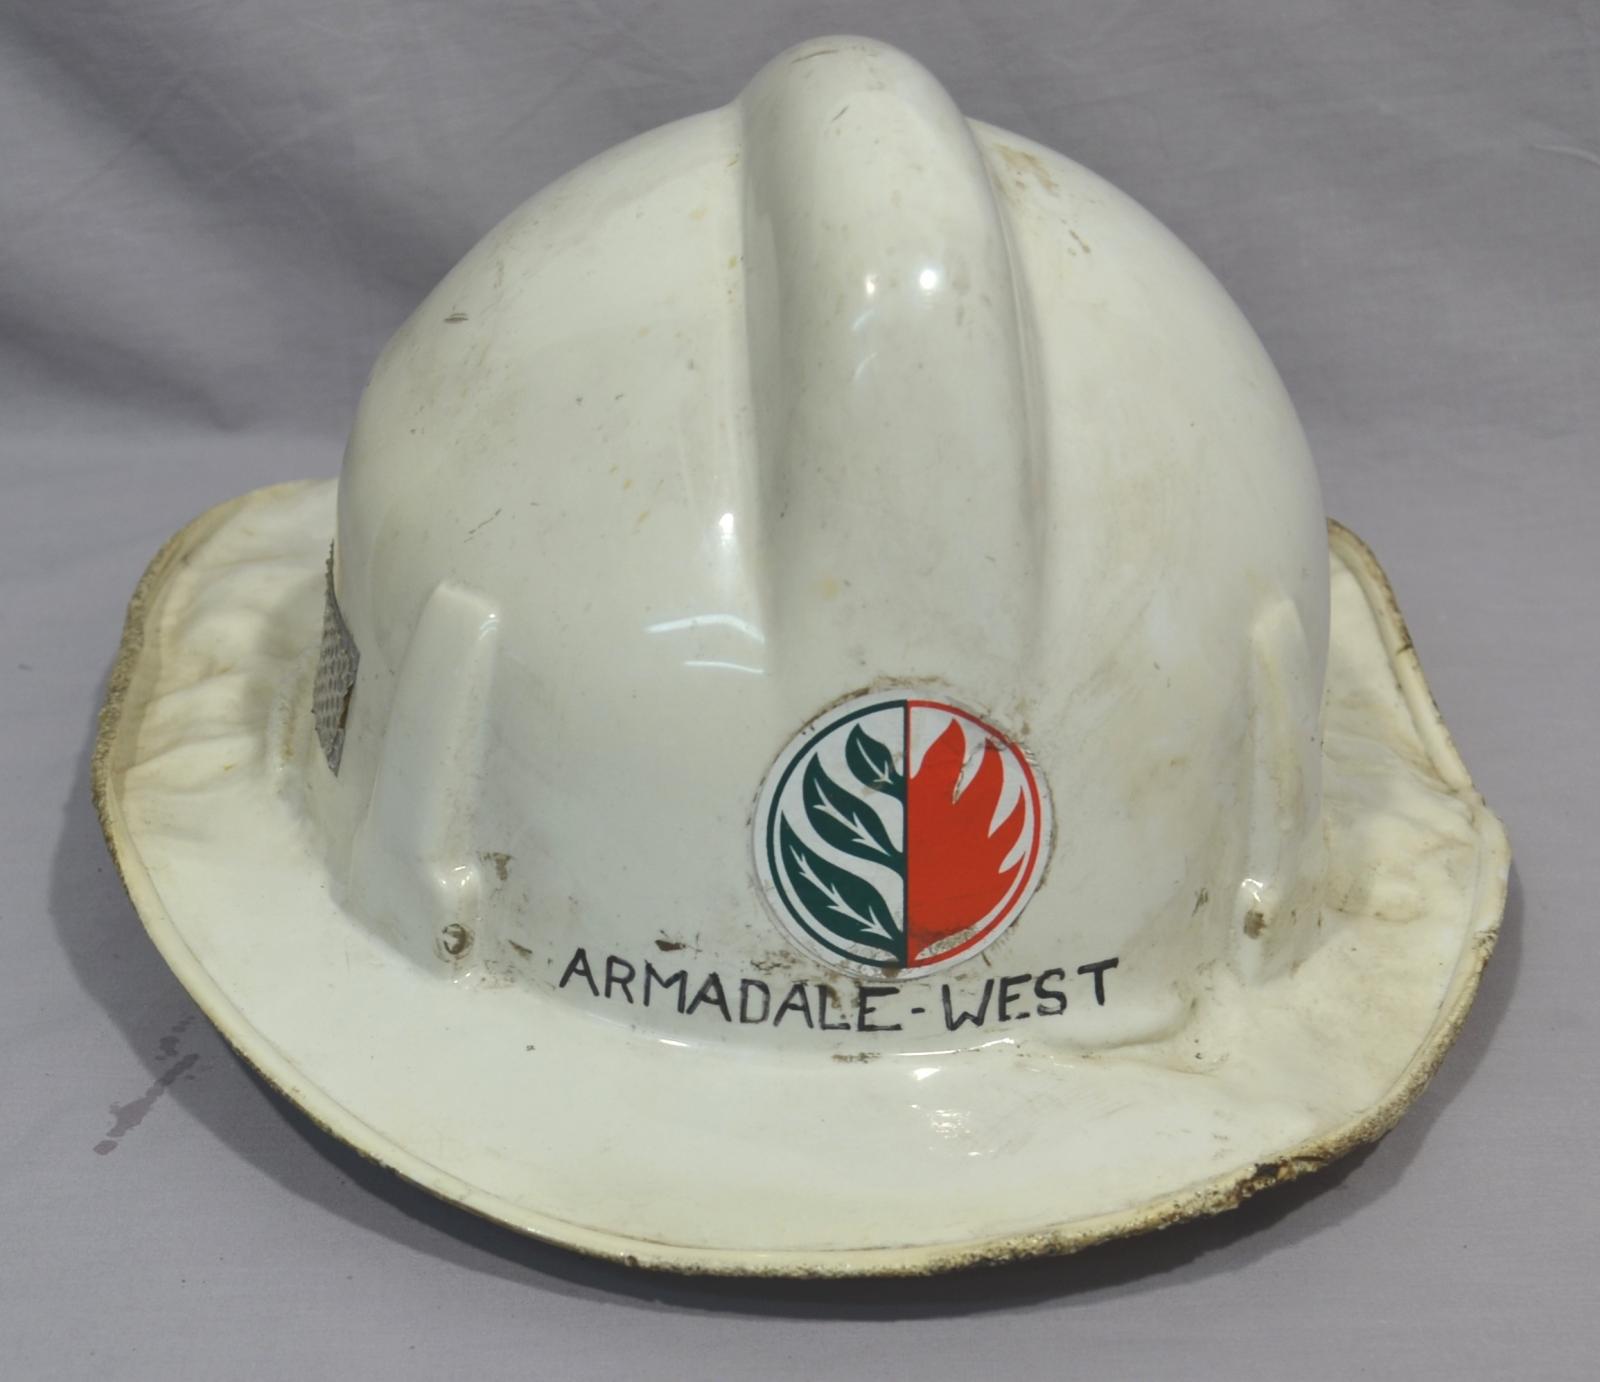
[825, 401]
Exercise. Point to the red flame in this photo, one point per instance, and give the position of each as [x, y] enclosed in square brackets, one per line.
[954, 862]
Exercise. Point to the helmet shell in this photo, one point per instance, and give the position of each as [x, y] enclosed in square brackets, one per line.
[827, 394]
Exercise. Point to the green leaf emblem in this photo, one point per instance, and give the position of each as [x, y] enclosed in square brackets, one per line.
[846, 822]
[845, 906]
[873, 764]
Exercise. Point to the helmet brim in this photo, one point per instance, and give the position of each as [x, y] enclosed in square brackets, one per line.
[590, 1133]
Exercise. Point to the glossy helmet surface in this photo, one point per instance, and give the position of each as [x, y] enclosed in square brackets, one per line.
[823, 394]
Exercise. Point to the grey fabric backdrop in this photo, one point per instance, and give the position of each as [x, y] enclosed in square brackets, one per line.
[212, 212]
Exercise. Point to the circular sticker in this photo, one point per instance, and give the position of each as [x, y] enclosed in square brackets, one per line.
[896, 832]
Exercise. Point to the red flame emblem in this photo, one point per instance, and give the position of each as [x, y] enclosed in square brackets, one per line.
[955, 874]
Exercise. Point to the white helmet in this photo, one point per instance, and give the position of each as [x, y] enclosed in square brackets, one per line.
[810, 753]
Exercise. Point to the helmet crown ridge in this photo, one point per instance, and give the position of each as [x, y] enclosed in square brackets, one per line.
[890, 364]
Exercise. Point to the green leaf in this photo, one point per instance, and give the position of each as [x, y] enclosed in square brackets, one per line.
[843, 905]
[873, 764]
[847, 822]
